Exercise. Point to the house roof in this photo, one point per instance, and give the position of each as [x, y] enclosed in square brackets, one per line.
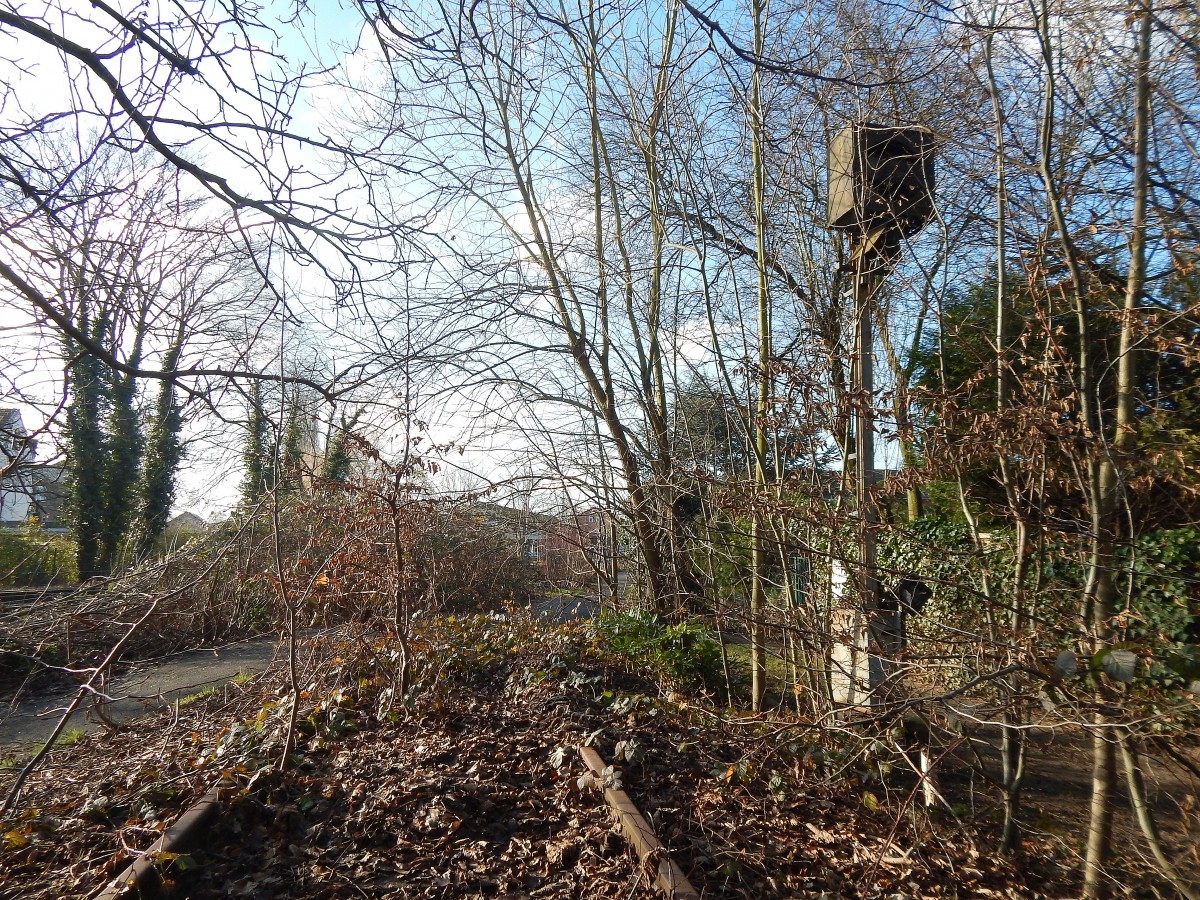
[499, 514]
[13, 436]
[186, 521]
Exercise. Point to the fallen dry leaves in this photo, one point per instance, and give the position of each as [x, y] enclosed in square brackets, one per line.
[476, 791]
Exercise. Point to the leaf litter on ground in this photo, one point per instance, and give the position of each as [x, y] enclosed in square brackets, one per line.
[472, 787]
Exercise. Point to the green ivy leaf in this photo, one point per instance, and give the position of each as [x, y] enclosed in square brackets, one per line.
[1185, 662]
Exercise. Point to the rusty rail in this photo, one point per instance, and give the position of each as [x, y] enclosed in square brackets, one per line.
[668, 876]
[142, 877]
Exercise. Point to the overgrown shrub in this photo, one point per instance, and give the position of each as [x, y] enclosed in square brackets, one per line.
[686, 652]
[30, 557]
[941, 553]
[354, 552]
[474, 568]
[1160, 606]
[1164, 597]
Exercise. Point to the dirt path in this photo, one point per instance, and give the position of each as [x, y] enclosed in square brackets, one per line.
[149, 686]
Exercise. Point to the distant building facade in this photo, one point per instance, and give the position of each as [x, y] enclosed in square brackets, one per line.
[577, 549]
[29, 490]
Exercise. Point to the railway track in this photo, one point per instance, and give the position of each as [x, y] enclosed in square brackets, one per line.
[30, 595]
[144, 876]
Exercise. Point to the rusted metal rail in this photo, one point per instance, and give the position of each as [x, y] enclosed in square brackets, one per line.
[30, 595]
[143, 877]
[668, 876]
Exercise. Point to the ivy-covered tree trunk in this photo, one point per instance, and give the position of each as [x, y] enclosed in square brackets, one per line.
[257, 455]
[164, 452]
[122, 463]
[335, 467]
[87, 406]
[292, 454]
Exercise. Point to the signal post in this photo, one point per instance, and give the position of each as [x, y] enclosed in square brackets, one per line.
[881, 183]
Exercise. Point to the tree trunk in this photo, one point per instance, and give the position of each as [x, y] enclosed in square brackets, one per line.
[1099, 835]
[1107, 477]
[1145, 818]
[758, 555]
